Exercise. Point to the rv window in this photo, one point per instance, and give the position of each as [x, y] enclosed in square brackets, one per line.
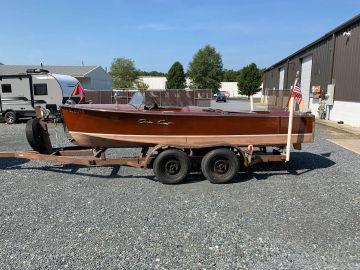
[6, 88]
[40, 89]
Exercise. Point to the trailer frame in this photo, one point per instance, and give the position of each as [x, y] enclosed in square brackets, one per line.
[97, 157]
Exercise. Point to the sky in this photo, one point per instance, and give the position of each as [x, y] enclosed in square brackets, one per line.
[156, 33]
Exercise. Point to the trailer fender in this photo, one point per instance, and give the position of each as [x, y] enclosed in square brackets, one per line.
[151, 152]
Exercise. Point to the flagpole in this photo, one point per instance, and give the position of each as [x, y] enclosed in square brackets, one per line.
[291, 117]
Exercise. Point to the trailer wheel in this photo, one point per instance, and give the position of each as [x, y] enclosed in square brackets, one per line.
[10, 117]
[36, 136]
[171, 166]
[220, 165]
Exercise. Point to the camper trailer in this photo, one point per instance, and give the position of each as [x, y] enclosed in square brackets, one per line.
[21, 93]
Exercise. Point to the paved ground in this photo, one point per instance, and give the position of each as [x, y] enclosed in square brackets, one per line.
[344, 127]
[231, 105]
[303, 215]
[236, 105]
[350, 144]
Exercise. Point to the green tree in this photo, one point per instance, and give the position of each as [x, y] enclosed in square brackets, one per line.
[175, 78]
[142, 86]
[230, 75]
[123, 73]
[150, 73]
[205, 70]
[249, 80]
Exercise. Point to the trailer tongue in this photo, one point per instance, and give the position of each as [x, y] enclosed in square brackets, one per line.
[75, 155]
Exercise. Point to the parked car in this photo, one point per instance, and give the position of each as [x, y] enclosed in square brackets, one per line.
[221, 97]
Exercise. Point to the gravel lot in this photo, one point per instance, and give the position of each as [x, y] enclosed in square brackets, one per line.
[301, 215]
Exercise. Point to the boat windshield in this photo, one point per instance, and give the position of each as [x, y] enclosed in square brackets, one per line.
[137, 100]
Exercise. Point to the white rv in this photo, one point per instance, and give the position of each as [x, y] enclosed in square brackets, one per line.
[20, 93]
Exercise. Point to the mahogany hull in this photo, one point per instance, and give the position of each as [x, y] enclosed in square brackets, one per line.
[113, 127]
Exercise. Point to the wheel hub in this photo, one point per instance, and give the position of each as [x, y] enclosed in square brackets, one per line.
[172, 167]
[9, 119]
[221, 166]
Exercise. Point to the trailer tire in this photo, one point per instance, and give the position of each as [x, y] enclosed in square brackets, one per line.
[220, 165]
[35, 135]
[171, 166]
[10, 117]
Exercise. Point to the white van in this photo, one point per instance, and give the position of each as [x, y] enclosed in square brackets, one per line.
[20, 93]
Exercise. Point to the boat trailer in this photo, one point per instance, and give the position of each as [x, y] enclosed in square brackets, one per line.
[94, 157]
[170, 163]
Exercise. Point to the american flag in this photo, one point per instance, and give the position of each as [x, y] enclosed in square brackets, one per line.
[297, 92]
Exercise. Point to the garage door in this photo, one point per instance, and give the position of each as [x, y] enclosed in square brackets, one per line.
[306, 80]
[281, 78]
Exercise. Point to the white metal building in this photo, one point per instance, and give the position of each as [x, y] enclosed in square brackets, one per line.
[154, 82]
[159, 83]
[91, 77]
[232, 89]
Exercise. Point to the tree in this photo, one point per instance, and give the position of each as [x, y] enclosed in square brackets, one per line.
[142, 86]
[123, 72]
[230, 75]
[175, 78]
[150, 73]
[205, 70]
[249, 80]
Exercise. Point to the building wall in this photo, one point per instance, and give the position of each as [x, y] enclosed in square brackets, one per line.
[346, 111]
[320, 73]
[96, 79]
[159, 83]
[321, 67]
[347, 65]
[271, 78]
[335, 59]
[99, 80]
[155, 83]
[230, 87]
[188, 83]
[85, 82]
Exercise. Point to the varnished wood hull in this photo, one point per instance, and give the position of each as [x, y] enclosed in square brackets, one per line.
[111, 126]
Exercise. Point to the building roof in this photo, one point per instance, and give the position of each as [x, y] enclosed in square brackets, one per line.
[75, 71]
[324, 37]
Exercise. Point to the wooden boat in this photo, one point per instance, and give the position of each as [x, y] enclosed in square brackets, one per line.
[136, 125]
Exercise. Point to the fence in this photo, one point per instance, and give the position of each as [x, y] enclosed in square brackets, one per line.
[123, 96]
[164, 98]
[99, 96]
[277, 99]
